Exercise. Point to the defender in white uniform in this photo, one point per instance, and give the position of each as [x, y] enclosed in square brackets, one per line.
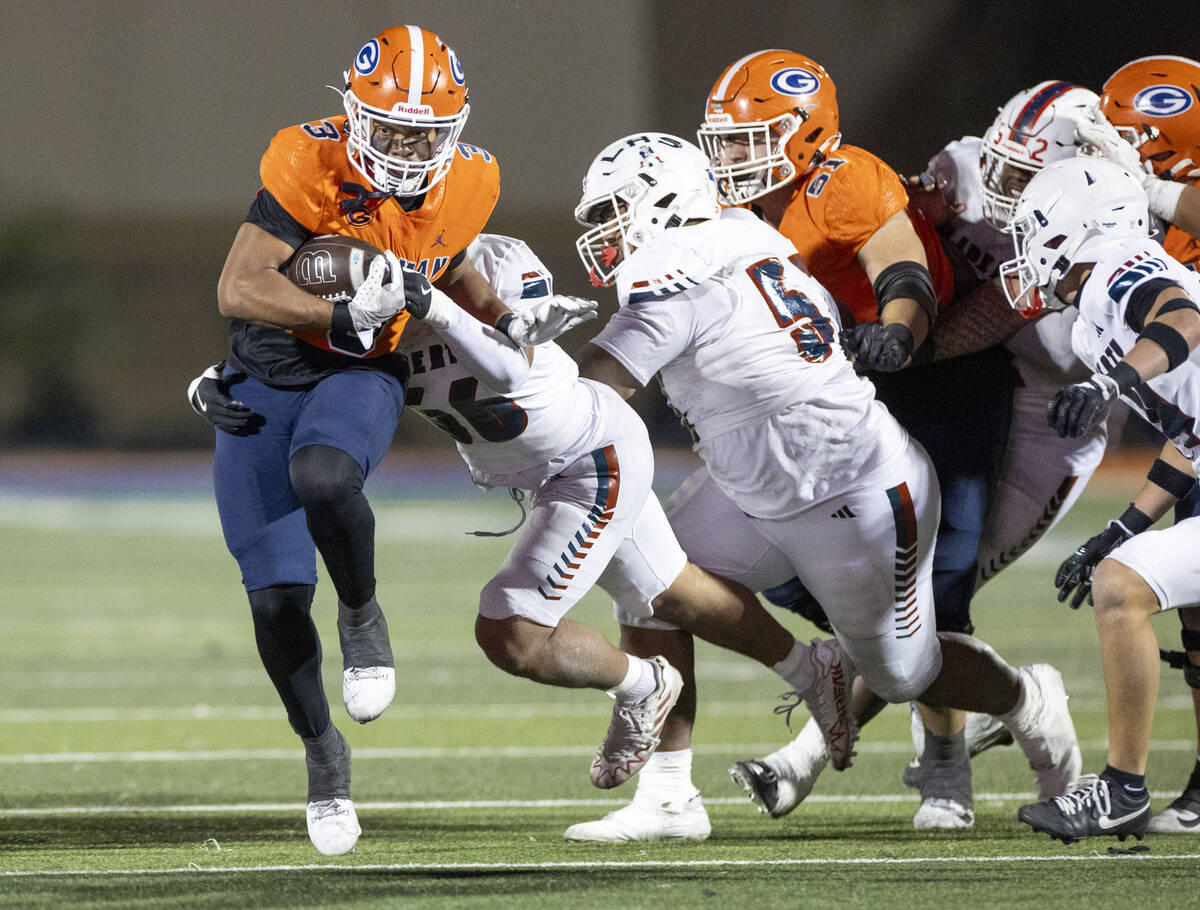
[813, 477]
[1080, 232]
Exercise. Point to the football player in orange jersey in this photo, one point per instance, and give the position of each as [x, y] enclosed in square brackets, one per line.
[321, 384]
[1148, 121]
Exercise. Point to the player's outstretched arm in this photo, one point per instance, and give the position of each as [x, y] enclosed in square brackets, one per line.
[1170, 478]
[599, 365]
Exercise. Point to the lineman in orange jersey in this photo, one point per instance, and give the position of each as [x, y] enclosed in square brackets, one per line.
[771, 131]
[321, 385]
[1148, 121]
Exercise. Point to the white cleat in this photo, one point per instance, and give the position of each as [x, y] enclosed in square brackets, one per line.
[780, 782]
[943, 815]
[1044, 731]
[646, 819]
[636, 730]
[333, 826]
[1181, 817]
[367, 691]
[828, 699]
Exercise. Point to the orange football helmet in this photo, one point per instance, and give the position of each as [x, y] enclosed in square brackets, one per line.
[1154, 102]
[771, 117]
[405, 88]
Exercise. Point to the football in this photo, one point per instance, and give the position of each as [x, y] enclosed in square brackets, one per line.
[331, 266]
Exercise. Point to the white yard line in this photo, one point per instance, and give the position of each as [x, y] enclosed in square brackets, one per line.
[455, 805]
[474, 711]
[475, 752]
[426, 868]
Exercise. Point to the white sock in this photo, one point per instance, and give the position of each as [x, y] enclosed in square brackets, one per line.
[667, 776]
[798, 757]
[639, 682]
[795, 668]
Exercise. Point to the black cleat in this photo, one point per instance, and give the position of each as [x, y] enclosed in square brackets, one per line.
[1095, 807]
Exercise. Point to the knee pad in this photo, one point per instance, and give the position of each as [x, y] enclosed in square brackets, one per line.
[323, 474]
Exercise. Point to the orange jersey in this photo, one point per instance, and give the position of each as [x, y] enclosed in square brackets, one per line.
[836, 208]
[1183, 247]
[306, 169]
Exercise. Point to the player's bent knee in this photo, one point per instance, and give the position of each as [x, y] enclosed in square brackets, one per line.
[1116, 588]
[511, 644]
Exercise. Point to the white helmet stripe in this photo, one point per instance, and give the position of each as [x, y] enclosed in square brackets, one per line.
[723, 85]
[416, 65]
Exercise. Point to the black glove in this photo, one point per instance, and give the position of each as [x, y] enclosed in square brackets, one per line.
[1074, 410]
[208, 394]
[1075, 574]
[418, 293]
[882, 348]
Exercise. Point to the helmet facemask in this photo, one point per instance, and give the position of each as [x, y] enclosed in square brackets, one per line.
[370, 151]
[764, 164]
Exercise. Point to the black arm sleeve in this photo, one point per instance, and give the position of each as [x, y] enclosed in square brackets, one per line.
[266, 213]
[1142, 299]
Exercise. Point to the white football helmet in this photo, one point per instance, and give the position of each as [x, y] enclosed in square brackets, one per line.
[1034, 128]
[1068, 209]
[635, 189]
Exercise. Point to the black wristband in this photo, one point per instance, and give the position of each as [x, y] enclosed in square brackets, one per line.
[1125, 376]
[1173, 344]
[1176, 482]
[341, 322]
[504, 322]
[901, 333]
[1134, 520]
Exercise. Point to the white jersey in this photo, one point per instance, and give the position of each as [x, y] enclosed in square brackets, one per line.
[745, 343]
[521, 438]
[1101, 337]
[1042, 348]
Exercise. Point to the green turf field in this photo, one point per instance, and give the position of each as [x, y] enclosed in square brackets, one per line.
[146, 760]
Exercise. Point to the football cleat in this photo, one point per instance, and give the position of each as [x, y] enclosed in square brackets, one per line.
[778, 783]
[333, 826]
[368, 674]
[1181, 817]
[947, 801]
[636, 730]
[647, 819]
[1044, 730]
[367, 691]
[982, 732]
[828, 699]
[1095, 807]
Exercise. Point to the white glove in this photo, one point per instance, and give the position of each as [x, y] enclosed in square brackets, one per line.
[380, 296]
[1096, 131]
[549, 319]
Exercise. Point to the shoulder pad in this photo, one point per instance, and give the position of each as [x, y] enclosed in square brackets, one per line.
[663, 268]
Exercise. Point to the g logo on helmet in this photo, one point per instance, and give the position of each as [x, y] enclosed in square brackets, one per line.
[367, 59]
[456, 70]
[795, 81]
[1162, 100]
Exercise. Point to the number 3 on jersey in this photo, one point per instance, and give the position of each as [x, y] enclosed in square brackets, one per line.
[813, 333]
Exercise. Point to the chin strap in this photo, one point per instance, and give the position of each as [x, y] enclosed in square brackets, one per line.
[518, 496]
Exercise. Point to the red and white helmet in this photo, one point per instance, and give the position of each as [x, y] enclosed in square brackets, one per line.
[1154, 102]
[1034, 128]
[770, 118]
[405, 79]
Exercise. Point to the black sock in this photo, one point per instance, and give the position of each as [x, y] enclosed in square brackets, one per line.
[944, 748]
[1194, 781]
[1133, 784]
